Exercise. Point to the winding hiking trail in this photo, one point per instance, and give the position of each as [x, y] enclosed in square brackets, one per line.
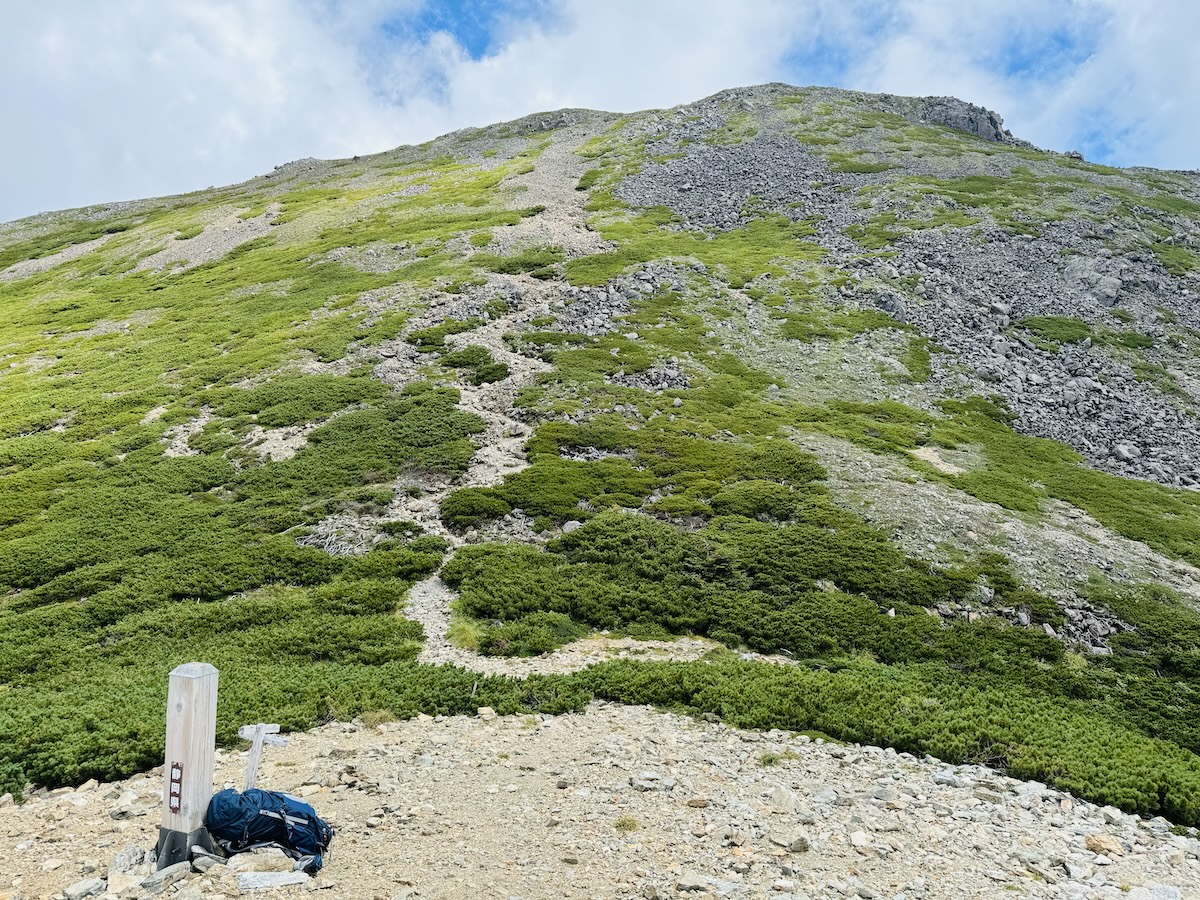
[429, 603]
[501, 452]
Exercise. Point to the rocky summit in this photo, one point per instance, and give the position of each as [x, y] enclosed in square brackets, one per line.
[795, 494]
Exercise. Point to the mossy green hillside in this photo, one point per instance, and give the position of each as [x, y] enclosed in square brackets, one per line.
[768, 244]
[110, 546]
[727, 396]
[765, 245]
[1020, 471]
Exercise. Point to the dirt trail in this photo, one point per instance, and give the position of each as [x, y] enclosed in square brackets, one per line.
[563, 223]
[502, 452]
[501, 445]
[552, 184]
[177, 436]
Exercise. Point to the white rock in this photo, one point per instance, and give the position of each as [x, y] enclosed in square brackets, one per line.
[264, 881]
[266, 859]
[1154, 892]
[89, 887]
[164, 878]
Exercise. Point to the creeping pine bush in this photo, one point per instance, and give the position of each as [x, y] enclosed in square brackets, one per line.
[433, 339]
[73, 735]
[12, 779]
[816, 587]
[118, 562]
[150, 561]
[822, 587]
[478, 361]
[538, 262]
[296, 400]
[553, 488]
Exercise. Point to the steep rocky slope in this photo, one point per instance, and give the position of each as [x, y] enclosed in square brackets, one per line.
[798, 408]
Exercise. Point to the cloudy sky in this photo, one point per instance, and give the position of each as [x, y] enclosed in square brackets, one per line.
[134, 98]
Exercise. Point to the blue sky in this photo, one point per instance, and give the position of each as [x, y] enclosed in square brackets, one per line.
[478, 27]
[134, 98]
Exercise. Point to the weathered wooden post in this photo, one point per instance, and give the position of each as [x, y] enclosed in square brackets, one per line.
[188, 774]
[257, 735]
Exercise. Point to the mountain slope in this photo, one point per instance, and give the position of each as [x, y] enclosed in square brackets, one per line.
[903, 414]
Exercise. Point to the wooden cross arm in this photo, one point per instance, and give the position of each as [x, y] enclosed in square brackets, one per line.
[270, 734]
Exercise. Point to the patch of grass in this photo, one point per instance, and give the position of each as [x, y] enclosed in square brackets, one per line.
[1020, 201]
[886, 228]
[763, 246]
[588, 180]
[478, 361]
[1175, 259]
[534, 261]
[918, 360]
[1024, 469]
[829, 324]
[1057, 329]
[738, 128]
[1130, 340]
[433, 339]
[852, 163]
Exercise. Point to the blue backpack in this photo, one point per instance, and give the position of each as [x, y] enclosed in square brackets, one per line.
[257, 818]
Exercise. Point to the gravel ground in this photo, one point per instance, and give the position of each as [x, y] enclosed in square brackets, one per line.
[43, 263]
[217, 239]
[625, 802]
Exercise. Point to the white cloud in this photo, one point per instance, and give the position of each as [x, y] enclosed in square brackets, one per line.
[153, 98]
[137, 97]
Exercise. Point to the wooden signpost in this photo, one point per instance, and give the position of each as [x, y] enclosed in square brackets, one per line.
[188, 773]
[191, 747]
